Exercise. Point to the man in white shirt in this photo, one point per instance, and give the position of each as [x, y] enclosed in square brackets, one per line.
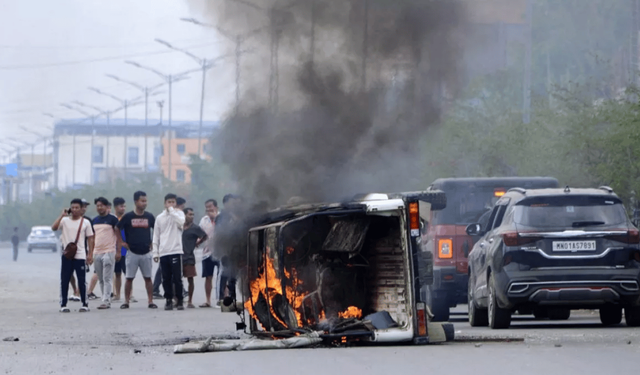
[74, 227]
[167, 248]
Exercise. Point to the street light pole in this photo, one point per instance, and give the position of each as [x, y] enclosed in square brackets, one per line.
[147, 91]
[205, 65]
[169, 79]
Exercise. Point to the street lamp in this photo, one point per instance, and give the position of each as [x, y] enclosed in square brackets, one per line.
[273, 25]
[204, 65]
[169, 79]
[146, 90]
[238, 39]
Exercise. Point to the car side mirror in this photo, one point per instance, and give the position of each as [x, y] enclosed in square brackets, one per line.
[474, 229]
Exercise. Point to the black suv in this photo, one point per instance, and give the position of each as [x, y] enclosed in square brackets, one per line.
[548, 251]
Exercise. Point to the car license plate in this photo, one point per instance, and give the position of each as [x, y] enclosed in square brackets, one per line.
[574, 245]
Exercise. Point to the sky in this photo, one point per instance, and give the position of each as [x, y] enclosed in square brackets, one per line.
[52, 51]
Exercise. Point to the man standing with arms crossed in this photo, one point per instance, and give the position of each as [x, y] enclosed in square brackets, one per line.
[167, 248]
[209, 263]
[137, 226]
[192, 237]
[105, 256]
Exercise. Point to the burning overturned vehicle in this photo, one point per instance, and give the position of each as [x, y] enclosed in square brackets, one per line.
[352, 271]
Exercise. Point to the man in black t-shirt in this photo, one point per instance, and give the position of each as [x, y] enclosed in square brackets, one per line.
[137, 226]
[192, 237]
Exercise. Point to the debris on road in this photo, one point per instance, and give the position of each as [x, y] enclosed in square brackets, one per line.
[212, 345]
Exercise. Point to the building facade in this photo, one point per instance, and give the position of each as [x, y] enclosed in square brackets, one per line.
[86, 154]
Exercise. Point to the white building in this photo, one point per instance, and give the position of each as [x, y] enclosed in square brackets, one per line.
[86, 154]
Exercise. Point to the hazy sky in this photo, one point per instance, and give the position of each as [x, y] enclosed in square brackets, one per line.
[46, 47]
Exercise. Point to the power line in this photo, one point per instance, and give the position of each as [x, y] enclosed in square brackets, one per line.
[76, 62]
[126, 45]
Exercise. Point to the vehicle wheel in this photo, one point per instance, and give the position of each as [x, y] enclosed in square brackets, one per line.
[438, 307]
[540, 313]
[449, 331]
[559, 313]
[498, 318]
[610, 315]
[437, 198]
[632, 316]
[29, 249]
[477, 317]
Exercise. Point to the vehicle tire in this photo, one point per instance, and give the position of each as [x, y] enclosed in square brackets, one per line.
[540, 313]
[449, 331]
[438, 307]
[610, 315]
[29, 249]
[559, 313]
[477, 317]
[437, 198]
[499, 318]
[632, 316]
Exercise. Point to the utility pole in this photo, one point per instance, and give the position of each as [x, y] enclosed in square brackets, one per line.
[365, 45]
[169, 79]
[147, 92]
[204, 65]
[526, 107]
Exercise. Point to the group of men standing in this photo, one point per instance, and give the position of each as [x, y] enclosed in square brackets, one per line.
[126, 242]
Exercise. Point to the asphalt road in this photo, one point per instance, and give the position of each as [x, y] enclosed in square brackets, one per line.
[140, 340]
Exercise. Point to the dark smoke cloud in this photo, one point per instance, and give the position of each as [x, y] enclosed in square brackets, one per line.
[330, 136]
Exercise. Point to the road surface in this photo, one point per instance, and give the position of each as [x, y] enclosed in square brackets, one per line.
[140, 340]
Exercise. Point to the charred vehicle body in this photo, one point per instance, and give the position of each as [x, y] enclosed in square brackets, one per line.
[469, 200]
[352, 270]
[549, 251]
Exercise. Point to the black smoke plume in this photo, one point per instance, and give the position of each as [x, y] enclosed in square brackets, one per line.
[324, 123]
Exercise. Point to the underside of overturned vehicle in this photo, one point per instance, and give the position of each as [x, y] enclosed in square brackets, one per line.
[352, 270]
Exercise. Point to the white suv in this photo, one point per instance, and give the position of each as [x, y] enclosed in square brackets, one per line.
[42, 237]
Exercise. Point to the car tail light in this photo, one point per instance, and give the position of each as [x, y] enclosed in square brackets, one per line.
[445, 248]
[632, 237]
[498, 192]
[514, 239]
[414, 218]
[421, 315]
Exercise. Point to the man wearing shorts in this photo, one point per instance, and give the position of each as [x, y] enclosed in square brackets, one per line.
[137, 226]
[192, 237]
[209, 263]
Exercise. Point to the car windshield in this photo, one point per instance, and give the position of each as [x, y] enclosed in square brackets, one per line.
[573, 212]
[466, 206]
[41, 232]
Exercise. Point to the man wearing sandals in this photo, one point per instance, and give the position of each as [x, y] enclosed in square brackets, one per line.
[192, 237]
[74, 229]
[105, 255]
[137, 226]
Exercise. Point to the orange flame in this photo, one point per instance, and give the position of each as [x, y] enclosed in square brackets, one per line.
[294, 295]
[351, 312]
[268, 282]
